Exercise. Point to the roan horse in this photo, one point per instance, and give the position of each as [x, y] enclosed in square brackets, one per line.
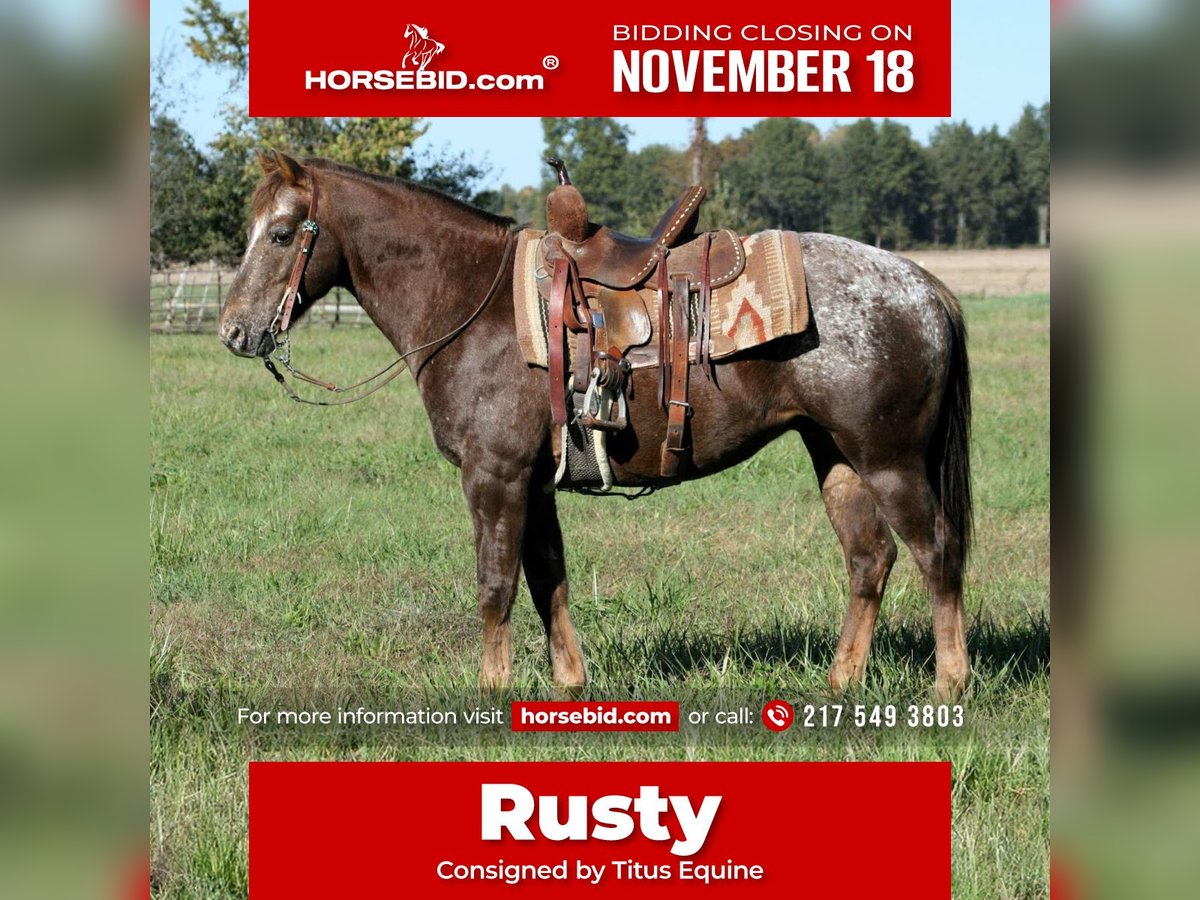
[878, 389]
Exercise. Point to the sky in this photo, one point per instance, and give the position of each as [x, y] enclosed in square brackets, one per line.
[1000, 62]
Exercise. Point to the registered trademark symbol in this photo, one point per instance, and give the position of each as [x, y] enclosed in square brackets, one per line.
[550, 62]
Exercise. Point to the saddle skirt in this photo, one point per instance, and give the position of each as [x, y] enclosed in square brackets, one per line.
[768, 300]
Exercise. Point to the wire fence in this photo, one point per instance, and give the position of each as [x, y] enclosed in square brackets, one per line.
[189, 300]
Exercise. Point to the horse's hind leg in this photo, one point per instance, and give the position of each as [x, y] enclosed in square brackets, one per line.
[908, 503]
[546, 575]
[869, 549]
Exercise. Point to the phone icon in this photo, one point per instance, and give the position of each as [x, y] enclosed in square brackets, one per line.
[778, 715]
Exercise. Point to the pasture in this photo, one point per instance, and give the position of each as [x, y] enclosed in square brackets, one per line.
[324, 557]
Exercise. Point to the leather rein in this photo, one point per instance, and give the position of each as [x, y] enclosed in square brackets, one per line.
[278, 331]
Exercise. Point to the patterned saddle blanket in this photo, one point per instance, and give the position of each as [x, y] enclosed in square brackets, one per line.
[768, 300]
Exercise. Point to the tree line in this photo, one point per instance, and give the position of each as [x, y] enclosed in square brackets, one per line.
[871, 181]
[867, 180]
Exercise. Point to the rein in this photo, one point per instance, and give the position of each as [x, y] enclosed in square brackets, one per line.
[283, 315]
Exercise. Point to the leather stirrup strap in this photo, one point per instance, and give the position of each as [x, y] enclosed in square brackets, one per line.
[704, 325]
[583, 362]
[674, 449]
[558, 372]
[581, 315]
[664, 329]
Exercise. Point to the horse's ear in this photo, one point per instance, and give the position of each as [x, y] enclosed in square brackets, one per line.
[265, 162]
[288, 167]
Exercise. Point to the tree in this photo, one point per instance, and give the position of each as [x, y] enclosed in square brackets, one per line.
[179, 223]
[228, 188]
[1030, 139]
[696, 148]
[955, 159]
[524, 204]
[777, 174]
[854, 185]
[724, 209]
[903, 184]
[976, 200]
[220, 38]
[596, 151]
[654, 177]
[999, 214]
[382, 146]
[456, 174]
[379, 145]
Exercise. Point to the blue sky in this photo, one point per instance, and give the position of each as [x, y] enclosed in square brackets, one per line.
[1001, 61]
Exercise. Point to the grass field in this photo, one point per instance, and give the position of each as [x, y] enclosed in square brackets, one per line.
[324, 557]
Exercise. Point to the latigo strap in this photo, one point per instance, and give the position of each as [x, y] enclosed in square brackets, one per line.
[674, 447]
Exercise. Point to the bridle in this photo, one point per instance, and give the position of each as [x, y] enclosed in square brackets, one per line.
[278, 330]
[309, 231]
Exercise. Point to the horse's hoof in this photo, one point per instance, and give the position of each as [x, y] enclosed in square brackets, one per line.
[571, 690]
[951, 687]
[842, 677]
[495, 684]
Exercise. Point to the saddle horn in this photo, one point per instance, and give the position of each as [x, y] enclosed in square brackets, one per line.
[566, 211]
[560, 167]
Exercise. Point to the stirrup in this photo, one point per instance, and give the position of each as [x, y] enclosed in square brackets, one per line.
[598, 404]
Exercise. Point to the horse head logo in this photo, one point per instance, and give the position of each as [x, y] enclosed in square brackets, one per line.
[421, 47]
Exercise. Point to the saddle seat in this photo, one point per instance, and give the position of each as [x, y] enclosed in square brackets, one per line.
[621, 261]
[618, 260]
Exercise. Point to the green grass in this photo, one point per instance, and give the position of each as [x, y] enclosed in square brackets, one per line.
[307, 557]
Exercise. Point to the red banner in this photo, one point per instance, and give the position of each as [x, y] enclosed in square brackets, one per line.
[863, 58]
[662, 830]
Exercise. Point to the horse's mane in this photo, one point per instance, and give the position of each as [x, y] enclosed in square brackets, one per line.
[270, 184]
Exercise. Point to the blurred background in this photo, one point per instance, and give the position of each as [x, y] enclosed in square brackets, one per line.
[1126, 682]
[73, 556]
[968, 197]
[76, 204]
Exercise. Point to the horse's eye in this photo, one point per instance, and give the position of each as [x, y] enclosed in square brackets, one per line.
[281, 236]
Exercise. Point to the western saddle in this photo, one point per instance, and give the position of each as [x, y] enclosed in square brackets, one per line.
[602, 288]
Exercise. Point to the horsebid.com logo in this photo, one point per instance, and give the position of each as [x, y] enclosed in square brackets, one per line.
[421, 47]
[413, 74]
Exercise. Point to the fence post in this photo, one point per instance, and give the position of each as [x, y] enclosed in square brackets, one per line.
[183, 286]
[169, 318]
[203, 304]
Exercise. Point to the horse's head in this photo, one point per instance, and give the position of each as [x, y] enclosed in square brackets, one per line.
[280, 207]
[410, 30]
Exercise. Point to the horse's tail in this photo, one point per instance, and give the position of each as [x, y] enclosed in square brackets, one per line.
[949, 458]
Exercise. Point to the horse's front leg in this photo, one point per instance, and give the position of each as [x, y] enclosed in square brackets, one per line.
[546, 575]
[497, 496]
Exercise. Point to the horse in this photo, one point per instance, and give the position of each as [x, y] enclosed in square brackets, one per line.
[421, 48]
[878, 389]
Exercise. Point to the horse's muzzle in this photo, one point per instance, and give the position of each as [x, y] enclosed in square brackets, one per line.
[241, 339]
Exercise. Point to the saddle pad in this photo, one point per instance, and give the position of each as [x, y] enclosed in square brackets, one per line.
[768, 301]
